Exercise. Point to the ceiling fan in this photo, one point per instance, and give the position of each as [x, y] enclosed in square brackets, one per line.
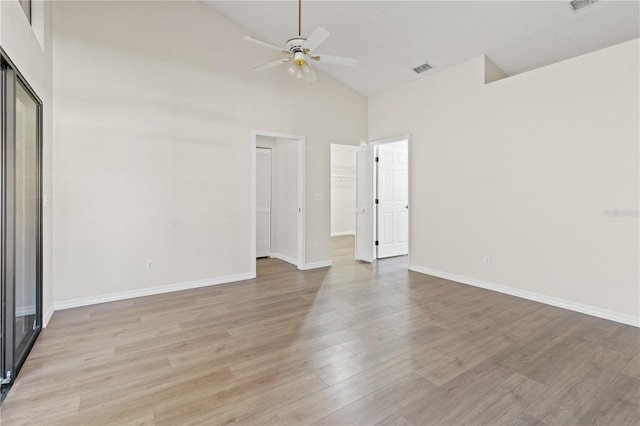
[300, 52]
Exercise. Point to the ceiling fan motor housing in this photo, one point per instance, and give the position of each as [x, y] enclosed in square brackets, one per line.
[294, 45]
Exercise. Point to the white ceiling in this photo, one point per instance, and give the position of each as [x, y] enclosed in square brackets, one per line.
[390, 38]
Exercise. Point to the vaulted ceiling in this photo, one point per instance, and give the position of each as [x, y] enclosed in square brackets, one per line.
[390, 38]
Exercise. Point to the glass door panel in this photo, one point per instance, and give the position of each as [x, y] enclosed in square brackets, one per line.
[26, 220]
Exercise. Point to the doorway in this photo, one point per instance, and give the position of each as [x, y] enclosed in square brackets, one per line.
[343, 190]
[343, 202]
[382, 199]
[278, 198]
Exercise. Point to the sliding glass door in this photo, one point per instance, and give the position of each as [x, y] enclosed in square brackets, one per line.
[21, 276]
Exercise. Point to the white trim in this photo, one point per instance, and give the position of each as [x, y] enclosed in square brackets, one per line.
[284, 258]
[302, 239]
[362, 253]
[252, 250]
[537, 297]
[302, 200]
[110, 297]
[47, 316]
[401, 138]
[341, 234]
[316, 265]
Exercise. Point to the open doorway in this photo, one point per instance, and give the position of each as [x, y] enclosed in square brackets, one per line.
[343, 201]
[278, 198]
[382, 199]
[343, 190]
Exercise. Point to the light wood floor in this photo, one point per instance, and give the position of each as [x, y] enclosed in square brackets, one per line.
[353, 344]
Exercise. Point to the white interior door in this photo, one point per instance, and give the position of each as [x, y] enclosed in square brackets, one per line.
[364, 204]
[393, 199]
[263, 202]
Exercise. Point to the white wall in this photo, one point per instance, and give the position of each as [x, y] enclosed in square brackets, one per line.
[343, 190]
[153, 145]
[522, 170]
[30, 50]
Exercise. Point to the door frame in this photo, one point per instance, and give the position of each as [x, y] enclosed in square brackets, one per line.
[301, 223]
[375, 144]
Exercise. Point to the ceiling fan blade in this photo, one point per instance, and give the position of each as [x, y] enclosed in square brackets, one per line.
[317, 37]
[335, 60]
[264, 44]
[271, 64]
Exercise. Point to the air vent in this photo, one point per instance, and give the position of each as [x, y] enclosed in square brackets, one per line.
[577, 5]
[422, 68]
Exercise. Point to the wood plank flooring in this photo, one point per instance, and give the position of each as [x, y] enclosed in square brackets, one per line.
[354, 344]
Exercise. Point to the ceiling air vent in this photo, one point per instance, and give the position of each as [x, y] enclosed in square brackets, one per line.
[577, 5]
[422, 68]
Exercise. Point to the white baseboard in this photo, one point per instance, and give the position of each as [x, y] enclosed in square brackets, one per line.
[285, 258]
[85, 301]
[537, 297]
[316, 265]
[47, 316]
[340, 234]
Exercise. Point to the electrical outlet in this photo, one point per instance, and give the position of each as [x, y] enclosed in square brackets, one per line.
[149, 265]
[487, 260]
[315, 245]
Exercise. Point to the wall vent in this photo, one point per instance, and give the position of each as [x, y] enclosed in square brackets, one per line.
[577, 5]
[422, 68]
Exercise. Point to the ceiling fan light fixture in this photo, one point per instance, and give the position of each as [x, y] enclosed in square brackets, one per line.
[293, 69]
[300, 69]
[310, 76]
